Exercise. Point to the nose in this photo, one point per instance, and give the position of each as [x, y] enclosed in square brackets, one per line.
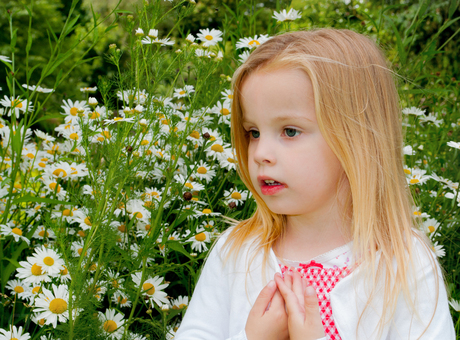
[264, 151]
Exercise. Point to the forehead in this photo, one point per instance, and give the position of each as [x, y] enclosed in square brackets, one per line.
[284, 93]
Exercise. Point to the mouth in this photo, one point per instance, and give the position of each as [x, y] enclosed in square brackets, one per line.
[270, 186]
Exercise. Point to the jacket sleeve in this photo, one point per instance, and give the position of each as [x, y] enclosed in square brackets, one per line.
[207, 316]
[433, 320]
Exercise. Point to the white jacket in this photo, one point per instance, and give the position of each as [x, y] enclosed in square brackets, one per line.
[224, 295]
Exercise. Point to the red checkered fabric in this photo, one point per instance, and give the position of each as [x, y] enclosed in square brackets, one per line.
[323, 280]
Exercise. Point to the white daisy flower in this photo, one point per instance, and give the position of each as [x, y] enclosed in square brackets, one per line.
[74, 110]
[190, 38]
[417, 177]
[432, 119]
[228, 160]
[17, 105]
[42, 135]
[14, 333]
[252, 42]
[49, 260]
[37, 88]
[17, 287]
[31, 272]
[283, 16]
[189, 185]
[43, 233]
[200, 239]
[118, 120]
[183, 92]
[204, 171]
[121, 298]
[408, 150]
[180, 303]
[5, 59]
[162, 42]
[202, 53]
[207, 212]
[209, 37]
[439, 250]
[139, 32]
[455, 304]
[417, 212]
[430, 226]
[218, 149]
[53, 305]
[244, 56]
[227, 96]
[413, 111]
[88, 89]
[236, 196]
[15, 232]
[453, 144]
[153, 33]
[152, 288]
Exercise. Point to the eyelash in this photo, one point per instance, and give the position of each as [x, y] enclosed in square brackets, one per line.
[249, 133]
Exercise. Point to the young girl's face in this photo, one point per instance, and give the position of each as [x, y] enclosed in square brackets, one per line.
[286, 145]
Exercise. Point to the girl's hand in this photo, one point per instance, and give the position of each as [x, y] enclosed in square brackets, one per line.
[267, 318]
[304, 320]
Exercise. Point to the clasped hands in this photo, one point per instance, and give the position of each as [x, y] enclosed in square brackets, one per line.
[285, 309]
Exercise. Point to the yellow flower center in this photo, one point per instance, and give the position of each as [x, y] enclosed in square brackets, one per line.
[48, 261]
[236, 195]
[182, 92]
[202, 170]
[431, 229]
[217, 148]
[110, 326]
[145, 142]
[115, 284]
[137, 214]
[73, 111]
[53, 187]
[41, 322]
[41, 164]
[43, 233]
[58, 306]
[36, 290]
[81, 233]
[149, 204]
[148, 288]
[67, 212]
[16, 231]
[73, 136]
[147, 227]
[208, 37]
[417, 213]
[16, 103]
[225, 111]
[230, 96]
[106, 134]
[58, 172]
[414, 180]
[253, 43]
[200, 237]
[189, 185]
[18, 289]
[117, 119]
[88, 221]
[231, 160]
[195, 134]
[95, 115]
[64, 271]
[36, 270]
[30, 155]
[100, 139]
[122, 228]
[207, 211]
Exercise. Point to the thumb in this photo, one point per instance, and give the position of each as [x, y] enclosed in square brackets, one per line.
[312, 314]
[264, 298]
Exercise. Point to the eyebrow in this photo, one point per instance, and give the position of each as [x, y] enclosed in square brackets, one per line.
[283, 118]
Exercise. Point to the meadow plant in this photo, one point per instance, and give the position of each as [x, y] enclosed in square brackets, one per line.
[105, 222]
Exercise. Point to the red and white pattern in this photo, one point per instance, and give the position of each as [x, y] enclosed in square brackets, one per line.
[323, 280]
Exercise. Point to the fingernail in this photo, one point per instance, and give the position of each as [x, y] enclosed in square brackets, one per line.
[310, 291]
[271, 284]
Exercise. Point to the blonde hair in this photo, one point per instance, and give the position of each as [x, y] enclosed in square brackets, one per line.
[358, 113]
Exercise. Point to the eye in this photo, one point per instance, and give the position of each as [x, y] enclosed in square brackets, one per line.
[291, 132]
[254, 133]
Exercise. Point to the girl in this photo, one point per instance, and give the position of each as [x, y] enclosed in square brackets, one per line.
[316, 128]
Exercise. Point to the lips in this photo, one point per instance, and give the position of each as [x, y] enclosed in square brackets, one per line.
[272, 188]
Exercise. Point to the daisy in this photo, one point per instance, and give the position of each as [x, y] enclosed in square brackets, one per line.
[202, 53]
[223, 110]
[58, 170]
[31, 272]
[189, 185]
[228, 160]
[15, 232]
[431, 118]
[417, 177]
[453, 144]
[42, 135]
[439, 250]
[283, 16]
[227, 96]
[209, 37]
[180, 303]
[121, 298]
[200, 239]
[5, 59]
[152, 288]
[430, 226]
[118, 120]
[162, 42]
[218, 149]
[236, 196]
[183, 92]
[74, 110]
[207, 212]
[43, 233]
[14, 333]
[252, 42]
[48, 260]
[17, 287]
[88, 89]
[407, 150]
[53, 305]
[413, 111]
[37, 88]
[17, 105]
[204, 171]
[244, 56]
[139, 32]
[455, 304]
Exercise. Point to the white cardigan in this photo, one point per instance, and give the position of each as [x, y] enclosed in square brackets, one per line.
[224, 295]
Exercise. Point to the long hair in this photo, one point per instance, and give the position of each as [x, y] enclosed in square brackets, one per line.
[358, 113]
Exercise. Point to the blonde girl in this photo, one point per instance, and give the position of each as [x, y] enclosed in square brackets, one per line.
[333, 250]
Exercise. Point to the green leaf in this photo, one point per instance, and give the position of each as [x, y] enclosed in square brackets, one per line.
[29, 198]
[14, 38]
[401, 51]
[71, 26]
[51, 116]
[12, 261]
[452, 7]
[174, 245]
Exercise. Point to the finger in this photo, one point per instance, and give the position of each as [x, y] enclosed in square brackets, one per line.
[312, 314]
[264, 298]
[288, 279]
[292, 303]
[297, 286]
[277, 301]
